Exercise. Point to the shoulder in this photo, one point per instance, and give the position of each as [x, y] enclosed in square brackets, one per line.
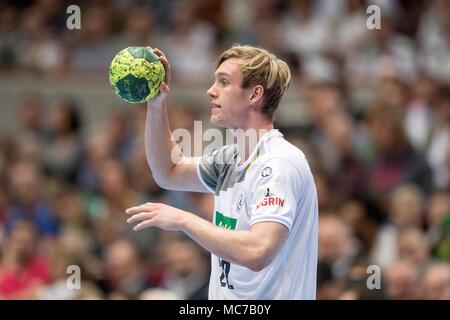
[284, 158]
[224, 155]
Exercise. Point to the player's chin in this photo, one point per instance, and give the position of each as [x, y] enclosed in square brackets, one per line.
[217, 121]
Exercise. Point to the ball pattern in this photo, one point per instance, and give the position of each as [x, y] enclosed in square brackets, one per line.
[136, 74]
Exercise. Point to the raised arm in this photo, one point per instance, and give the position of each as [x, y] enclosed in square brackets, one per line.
[170, 168]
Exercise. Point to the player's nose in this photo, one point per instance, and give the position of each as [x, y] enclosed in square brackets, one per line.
[212, 92]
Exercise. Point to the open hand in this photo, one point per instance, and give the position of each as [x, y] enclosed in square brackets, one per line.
[155, 215]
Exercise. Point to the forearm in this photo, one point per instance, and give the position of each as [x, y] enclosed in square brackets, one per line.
[254, 248]
[236, 246]
[161, 151]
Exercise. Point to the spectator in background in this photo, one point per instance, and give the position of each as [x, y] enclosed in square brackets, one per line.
[29, 116]
[356, 284]
[335, 138]
[139, 27]
[28, 203]
[22, 270]
[326, 197]
[433, 41]
[64, 146]
[328, 287]
[106, 208]
[441, 248]
[340, 148]
[303, 32]
[120, 134]
[436, 282]
[99, 148]
[32, 132]
[438, 210]
[386, 52]
[438, 151]
[418, 119]
[95, 48]
[72, 248]
[185, 266]
[190, 44]
[38, 49]
[393, 92]
[141, 176]
[404, 210]
[412, 246]
[395, 161]
[70, 208]
[358, 216]
[324, 98]
[352, 32]
[9, 37]
[124, 271]
[337, 247]
[402, 281]
[263, 28]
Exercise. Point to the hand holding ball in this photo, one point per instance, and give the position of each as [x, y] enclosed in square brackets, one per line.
[136, 74]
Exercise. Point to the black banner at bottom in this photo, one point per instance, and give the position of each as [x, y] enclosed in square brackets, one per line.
[198, 310]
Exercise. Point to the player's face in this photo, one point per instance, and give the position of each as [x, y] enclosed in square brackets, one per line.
[230, 102]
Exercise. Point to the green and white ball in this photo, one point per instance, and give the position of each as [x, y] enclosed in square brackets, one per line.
[136, 74]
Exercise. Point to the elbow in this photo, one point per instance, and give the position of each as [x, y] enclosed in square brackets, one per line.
[162, 176]
[258, 262]
[161, 181]
[257, 265]
[165, 184]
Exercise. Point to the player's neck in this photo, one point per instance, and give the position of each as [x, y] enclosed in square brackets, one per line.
[248, 138]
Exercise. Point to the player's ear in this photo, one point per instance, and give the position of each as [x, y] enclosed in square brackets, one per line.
[257, 94]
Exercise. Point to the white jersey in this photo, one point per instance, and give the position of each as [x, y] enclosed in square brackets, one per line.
[274, 184]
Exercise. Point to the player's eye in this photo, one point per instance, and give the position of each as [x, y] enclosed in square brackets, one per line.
[224, 82]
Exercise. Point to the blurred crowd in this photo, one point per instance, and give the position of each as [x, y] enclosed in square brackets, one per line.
[376, 131]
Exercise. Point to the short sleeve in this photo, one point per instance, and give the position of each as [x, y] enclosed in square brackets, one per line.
[211, 166]
[276, 193]
[208, 172]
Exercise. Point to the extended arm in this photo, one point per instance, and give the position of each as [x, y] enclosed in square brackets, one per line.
[254, 248]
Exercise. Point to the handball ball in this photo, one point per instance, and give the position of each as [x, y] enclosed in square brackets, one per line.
[136, 74]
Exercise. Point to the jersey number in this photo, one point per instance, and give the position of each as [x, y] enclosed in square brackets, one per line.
[225, 265]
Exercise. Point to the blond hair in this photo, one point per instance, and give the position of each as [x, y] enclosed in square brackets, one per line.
[260, 67]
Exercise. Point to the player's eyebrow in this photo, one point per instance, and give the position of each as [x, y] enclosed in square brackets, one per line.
[222, 74]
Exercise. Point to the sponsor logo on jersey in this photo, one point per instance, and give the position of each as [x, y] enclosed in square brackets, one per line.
[268, 193]
[224, 221]
[267, 171]
[270, 200]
